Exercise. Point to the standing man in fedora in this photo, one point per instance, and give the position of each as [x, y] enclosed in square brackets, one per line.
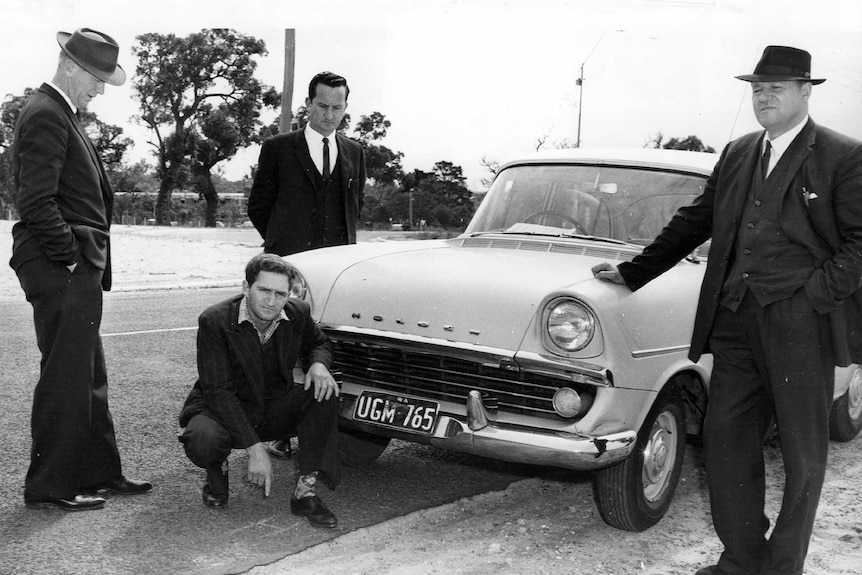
[61, 254]
[780, 306]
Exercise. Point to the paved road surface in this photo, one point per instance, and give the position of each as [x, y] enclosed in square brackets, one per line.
[149, 343]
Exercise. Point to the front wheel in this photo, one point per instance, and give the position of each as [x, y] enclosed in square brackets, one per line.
[635, 494]
[845, 420]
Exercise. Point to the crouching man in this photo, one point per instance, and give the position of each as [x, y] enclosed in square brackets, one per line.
[247, 347]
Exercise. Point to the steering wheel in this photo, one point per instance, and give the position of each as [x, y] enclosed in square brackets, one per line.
[579, 228]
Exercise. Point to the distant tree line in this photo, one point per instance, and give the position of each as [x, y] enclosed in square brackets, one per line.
[690, 143]
[201, 103]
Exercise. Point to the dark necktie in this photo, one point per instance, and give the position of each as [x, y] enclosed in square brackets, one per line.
[325, 159]
[764, 161]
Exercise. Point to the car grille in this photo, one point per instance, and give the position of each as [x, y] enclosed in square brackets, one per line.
[434, 375]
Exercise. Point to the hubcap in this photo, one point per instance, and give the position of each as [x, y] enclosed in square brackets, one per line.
[660, 456]
[854, 395]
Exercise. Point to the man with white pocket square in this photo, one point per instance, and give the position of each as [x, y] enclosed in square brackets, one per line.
[780, 306]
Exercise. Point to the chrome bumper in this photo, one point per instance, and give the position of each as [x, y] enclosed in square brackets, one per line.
[480, 435]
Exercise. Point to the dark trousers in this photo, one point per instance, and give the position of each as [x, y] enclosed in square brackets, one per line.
[772, 363]
[72, 431]
[208, 443]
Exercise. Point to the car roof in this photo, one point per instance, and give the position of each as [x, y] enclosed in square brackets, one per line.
[682, 160]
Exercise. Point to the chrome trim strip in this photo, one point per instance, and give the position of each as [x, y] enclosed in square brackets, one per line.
[577, 370]
[640, 354]
[491, 356]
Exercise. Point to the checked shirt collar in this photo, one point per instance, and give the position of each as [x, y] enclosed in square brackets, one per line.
[267, 333]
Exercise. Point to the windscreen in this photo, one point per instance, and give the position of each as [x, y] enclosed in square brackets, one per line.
[621, 203]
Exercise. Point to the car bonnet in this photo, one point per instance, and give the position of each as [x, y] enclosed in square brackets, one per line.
[484, 297]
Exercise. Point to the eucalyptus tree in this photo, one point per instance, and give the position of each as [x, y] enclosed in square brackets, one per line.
[200, 99]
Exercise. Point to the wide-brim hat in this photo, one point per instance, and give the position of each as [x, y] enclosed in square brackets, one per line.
[782, 63]
[95, 52]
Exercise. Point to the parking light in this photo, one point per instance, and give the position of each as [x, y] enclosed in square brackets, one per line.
[569, 403]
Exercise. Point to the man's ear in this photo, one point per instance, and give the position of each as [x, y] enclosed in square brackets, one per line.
[245, 287]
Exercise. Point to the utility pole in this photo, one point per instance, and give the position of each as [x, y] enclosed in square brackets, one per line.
[287, 91]
[580, 82]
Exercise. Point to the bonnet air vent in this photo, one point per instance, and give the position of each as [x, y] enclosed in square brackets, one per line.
[574, 249]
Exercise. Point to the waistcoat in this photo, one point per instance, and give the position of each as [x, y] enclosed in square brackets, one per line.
[329, 218]
[764, 260]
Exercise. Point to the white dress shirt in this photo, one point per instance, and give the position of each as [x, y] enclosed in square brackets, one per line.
[781, 143]
[65, 96]
[315, 148]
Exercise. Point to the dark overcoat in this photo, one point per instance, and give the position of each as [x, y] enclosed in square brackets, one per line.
[285, 190]
[820, 181]
[64, 196]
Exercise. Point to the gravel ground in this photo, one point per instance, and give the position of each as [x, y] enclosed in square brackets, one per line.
[548, 526]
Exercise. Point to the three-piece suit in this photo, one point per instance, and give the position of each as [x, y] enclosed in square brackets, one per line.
[65, 202]
[291, 205]
[780, 306]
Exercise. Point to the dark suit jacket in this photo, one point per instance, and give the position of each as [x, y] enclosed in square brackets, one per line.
[64, 197]
[284, 191]
[822, 163]
[230, 383]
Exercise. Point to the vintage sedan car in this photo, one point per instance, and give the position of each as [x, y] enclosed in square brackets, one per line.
[500, 342]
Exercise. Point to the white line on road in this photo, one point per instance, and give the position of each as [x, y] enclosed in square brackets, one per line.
[150, 331]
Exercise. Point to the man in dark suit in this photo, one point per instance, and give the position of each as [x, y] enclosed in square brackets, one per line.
[309, 185]
[307, 192]
[780, 306]
[61, 254]
[245, 394]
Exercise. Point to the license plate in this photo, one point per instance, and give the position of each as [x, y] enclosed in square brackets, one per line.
[416, 415]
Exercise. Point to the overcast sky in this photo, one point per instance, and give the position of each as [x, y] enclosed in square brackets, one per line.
[465, 79]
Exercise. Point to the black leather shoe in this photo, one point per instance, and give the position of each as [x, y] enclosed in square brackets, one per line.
[313, 509]
[79, 503]
[711, 570]
[216, 490]
[214, 499]
[121, 486]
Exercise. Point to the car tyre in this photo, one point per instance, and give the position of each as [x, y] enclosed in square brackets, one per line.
[359, 448]
[845, 420]
[635, 494]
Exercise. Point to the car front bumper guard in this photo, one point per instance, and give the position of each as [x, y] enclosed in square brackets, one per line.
[480, 435]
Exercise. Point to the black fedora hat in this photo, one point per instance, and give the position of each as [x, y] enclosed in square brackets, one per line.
[95, 52]
[782, 63]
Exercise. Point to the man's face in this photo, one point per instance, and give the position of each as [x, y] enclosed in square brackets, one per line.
[83, 86]
[779, 106]
[327, 108]
[266, 296]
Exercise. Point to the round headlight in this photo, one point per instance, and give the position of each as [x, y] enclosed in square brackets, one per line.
[570, 325]
[298, 286]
